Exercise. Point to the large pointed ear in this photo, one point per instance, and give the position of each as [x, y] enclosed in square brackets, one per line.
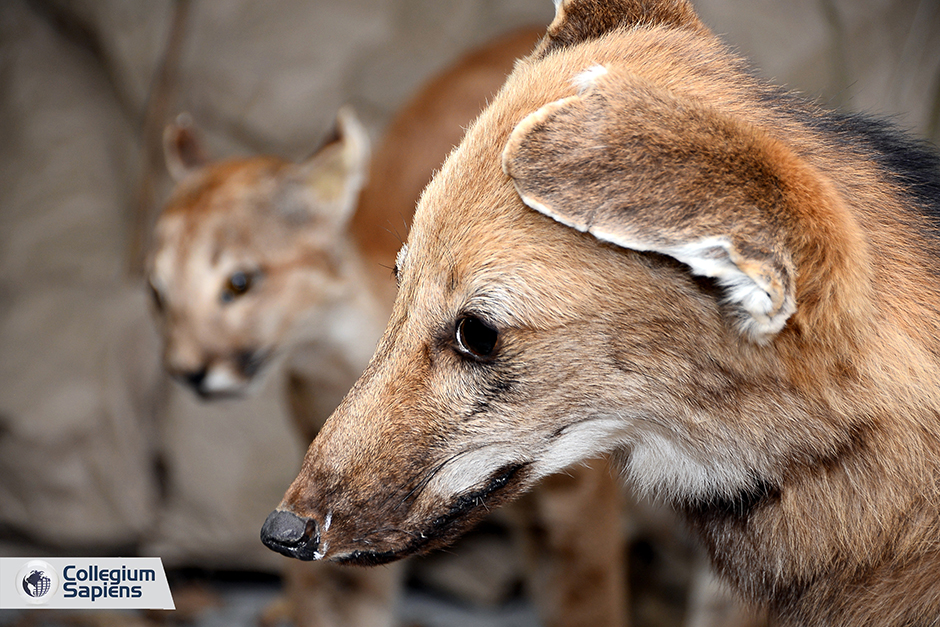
[182, 148]
[326, 186]
[638, 167]
[582, 20]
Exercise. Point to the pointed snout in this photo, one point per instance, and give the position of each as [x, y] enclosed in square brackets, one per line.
[291, 535]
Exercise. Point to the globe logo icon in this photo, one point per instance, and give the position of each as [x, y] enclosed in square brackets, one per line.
[37, 584]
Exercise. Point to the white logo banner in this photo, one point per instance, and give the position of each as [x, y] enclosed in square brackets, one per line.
[84, 583]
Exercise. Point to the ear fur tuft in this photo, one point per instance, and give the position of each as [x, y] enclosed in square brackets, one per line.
[577, 21]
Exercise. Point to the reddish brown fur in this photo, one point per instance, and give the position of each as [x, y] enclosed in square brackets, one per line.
[806, 455]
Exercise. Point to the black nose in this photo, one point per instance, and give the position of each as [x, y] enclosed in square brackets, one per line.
[194, 378]
[293, 536]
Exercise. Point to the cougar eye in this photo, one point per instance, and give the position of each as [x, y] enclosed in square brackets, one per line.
[237, 284]
[475, 338]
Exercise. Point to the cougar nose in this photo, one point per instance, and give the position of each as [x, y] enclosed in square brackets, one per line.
[293, 536]
[194, 378]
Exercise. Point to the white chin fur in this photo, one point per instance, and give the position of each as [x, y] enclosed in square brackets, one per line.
[656, 465]
[579, 442]
[660, 468]
[221, 380]
[471, 470]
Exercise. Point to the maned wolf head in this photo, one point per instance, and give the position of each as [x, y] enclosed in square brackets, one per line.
[639, 246]
[247, 250]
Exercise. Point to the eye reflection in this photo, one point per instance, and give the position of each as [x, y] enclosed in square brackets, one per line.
[237, 285]
[476, 338]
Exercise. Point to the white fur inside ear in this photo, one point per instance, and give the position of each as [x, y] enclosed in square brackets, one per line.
[764, 315]
[589, 77]
[711, 257]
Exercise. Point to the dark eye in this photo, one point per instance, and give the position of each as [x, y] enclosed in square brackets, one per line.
[475, 338]
[237, 284]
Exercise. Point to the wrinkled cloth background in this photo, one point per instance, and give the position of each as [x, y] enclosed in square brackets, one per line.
[99, 453]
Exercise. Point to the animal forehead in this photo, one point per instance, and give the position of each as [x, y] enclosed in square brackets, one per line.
[226, 186]
[513, 265]
[193, 252]
[183, 235]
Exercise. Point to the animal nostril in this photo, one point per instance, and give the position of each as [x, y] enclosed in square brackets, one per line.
[289, 534]
[195, 378]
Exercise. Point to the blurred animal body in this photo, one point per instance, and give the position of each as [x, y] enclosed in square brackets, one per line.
[640, 246]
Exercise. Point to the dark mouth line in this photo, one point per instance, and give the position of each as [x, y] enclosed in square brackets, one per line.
[475, 499]
[416, 491]
[438, 528]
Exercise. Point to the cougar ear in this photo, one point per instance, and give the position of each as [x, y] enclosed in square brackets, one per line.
[327, 184]
[638, 167]
[182, 148]
[582, 20]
